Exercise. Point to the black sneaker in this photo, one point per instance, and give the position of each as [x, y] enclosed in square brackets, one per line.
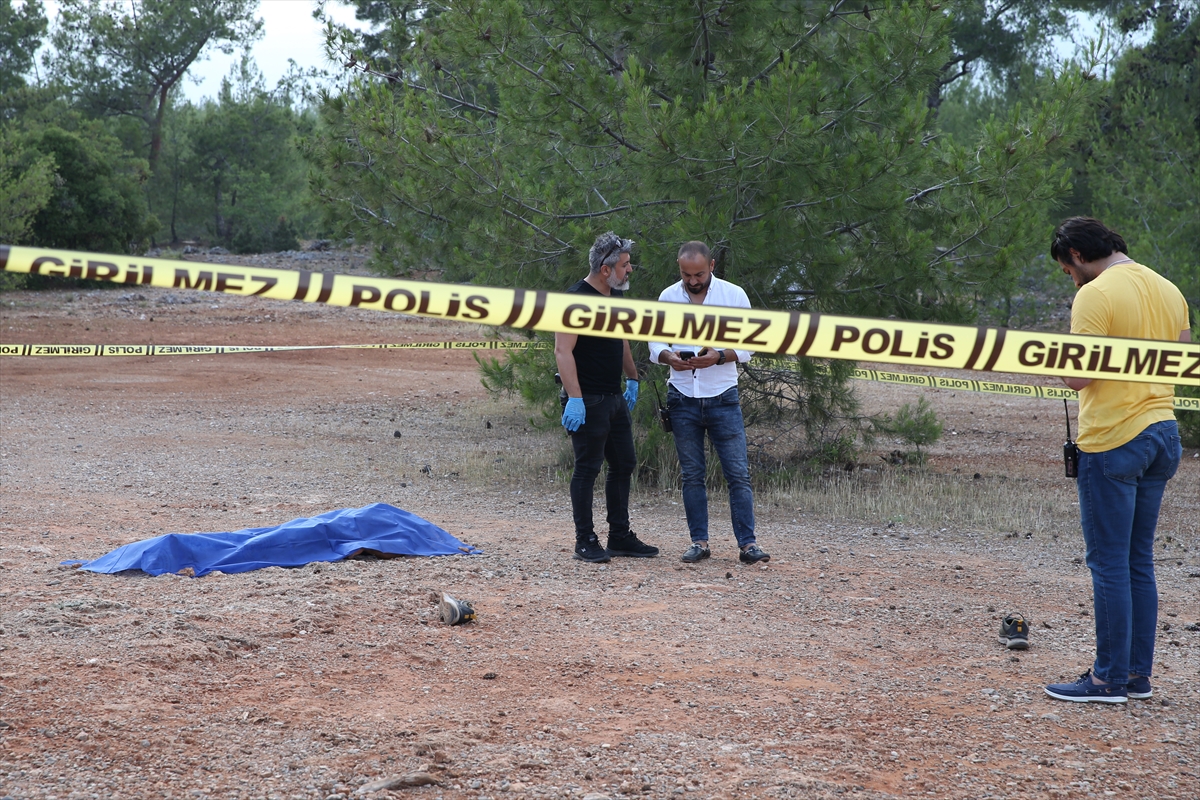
[1014, 632]
[630, 546]
[590, 550]
[754, 555]
[697, 552]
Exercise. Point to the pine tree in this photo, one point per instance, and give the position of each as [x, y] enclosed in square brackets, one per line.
[795, 138]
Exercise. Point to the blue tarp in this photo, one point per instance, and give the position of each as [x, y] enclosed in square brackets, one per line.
[331, 536]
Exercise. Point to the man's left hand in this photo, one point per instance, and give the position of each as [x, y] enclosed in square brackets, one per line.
[631, 392]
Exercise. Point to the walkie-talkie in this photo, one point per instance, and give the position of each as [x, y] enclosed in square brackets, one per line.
[1070, 449]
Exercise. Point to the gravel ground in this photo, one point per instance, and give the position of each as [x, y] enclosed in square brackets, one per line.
[861, 662]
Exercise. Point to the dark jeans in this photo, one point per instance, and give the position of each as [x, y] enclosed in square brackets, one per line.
[606, 435]
[1120, 491]
[721, 418]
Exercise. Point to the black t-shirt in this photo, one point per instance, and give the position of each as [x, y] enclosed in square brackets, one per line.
[599, 362]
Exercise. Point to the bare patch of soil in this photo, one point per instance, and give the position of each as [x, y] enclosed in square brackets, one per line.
[861, 662]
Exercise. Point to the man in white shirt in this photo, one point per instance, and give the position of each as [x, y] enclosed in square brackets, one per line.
[702, 397]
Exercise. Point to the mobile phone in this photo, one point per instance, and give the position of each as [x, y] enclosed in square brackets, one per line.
[686, 354]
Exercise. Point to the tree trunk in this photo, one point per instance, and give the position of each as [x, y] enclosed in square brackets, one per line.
[219, 222]
[156, 126]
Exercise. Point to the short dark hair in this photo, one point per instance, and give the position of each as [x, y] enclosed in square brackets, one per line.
[1090, 237]
[694, 248]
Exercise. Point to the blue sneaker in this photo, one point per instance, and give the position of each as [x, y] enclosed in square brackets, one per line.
[1084, 691]
[1139, 688]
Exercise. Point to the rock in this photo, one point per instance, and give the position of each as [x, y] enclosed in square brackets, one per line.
[398, 782]
[218, 251]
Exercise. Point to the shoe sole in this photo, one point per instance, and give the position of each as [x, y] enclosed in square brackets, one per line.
[755, 561]
[1141, 695]
[626, 554]
[1014, 644]
[1086, 699]
[449, 610]
[603, 560]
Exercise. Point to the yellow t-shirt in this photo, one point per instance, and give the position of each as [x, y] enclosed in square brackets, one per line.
[1131, 301]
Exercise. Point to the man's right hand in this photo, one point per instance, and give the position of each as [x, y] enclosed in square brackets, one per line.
[672, 360]
[574, 414]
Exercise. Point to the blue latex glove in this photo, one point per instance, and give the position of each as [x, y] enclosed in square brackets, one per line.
[573, 414]
[631, 390]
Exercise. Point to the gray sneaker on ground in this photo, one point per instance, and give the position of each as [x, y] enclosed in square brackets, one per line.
[1014, 632]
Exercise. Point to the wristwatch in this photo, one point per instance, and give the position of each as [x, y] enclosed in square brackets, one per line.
[721, 358]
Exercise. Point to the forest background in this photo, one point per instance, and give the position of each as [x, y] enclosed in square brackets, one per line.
[887, 159]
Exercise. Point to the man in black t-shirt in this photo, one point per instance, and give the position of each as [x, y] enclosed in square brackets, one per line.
[597, 413]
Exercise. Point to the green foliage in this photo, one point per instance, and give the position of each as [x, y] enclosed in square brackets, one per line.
[528, 373]
[1008, 40]
[96, 202]
[125, 57]
[1143, 168]
[227, 169]
[916, 425]
[800, 412]
[21, 32]
[391, 26]
[26, 184]
[1189, 421]
[815, 174]
[230, 169]
[795, 140]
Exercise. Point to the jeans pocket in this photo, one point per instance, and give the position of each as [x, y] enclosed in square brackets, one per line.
[1174, 453]
[729, 397]
[1129, 461]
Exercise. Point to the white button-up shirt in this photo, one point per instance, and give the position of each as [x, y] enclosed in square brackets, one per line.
[714, 380]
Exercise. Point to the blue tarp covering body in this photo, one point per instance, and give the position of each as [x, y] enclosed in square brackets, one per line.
[331, 536]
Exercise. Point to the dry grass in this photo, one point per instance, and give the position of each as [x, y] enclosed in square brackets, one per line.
[911, 496]
[915, 496]
[517, 451]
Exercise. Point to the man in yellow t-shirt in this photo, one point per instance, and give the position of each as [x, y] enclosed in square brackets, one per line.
[1129, 448]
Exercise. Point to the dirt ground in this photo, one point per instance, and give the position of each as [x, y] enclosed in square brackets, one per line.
[861, 662]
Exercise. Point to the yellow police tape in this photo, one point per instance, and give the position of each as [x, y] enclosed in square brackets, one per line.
[227, 349]
[876, 375]
[779, 332]
[991, 387]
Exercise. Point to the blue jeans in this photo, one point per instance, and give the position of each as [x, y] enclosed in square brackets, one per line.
[721, 418]
[606, 435]
[1120, 491]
